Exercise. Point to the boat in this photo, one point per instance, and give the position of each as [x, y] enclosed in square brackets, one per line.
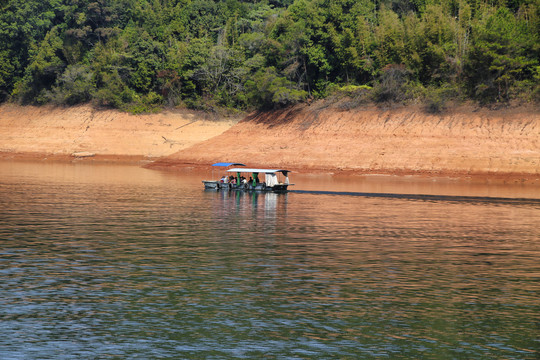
[276, 180]
[218, 184]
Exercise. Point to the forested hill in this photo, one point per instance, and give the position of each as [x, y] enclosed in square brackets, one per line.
[138, 55]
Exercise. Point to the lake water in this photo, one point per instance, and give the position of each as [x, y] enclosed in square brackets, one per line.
[120, 262]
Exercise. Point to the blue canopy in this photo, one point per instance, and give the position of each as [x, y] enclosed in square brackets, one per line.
[225, 164]
[264, 171]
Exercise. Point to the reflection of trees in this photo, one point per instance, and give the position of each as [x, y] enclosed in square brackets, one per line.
[235, 206]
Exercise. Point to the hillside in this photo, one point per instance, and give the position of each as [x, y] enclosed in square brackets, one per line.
[461, 142]
[110, 135]
[139, 55]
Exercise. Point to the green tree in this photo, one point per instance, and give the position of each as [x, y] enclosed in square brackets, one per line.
[45, 66]
[7, 69]
[114, 92]
[431, 45]
[23, 26]
[237, 53]
[171, 79]
[500, 56]
[389, 36]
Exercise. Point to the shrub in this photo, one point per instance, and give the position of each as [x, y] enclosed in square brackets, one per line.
[269, 90]
[149, 103]
[73, 87]
[113, 92]
[351, 96]
[436, 99]
[393, 84]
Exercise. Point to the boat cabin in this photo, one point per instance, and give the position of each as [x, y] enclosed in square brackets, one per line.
[248, 179]
[260, 179]
[217, 184]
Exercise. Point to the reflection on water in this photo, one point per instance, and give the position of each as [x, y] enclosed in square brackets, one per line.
[231, 206]
[119, 262]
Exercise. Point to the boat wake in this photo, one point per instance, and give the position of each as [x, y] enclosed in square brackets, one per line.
[426, 197]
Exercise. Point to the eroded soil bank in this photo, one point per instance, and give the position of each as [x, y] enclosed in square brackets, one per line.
[463, 142]
[84, 133]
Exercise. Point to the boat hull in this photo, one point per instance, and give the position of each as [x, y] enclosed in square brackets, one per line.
[280, 187]
[212, 184]
[218, 185]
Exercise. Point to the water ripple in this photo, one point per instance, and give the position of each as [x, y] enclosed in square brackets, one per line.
[160, 269]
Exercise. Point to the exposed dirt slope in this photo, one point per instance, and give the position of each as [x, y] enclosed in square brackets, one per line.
[404, 141]
[304, 138]
[83, 131]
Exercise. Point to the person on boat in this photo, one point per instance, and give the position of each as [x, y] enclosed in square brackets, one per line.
[224, 179]
[233, 180]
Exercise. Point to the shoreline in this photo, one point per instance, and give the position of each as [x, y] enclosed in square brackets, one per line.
[70, 158]
[479, 145]
[139, 160]
[475, 177]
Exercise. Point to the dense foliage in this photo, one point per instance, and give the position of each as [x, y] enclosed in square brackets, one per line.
[144, 54]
